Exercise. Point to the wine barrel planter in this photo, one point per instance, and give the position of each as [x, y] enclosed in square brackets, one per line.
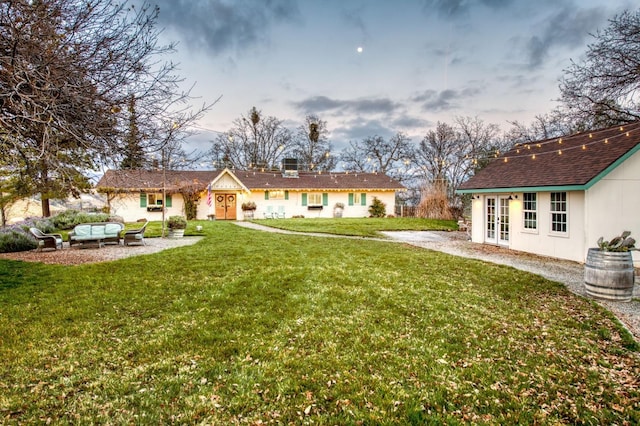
[609, 275]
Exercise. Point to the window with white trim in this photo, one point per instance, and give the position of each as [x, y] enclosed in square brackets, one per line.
[530, 210]
[315, 199]
[276, 195]
[154, 199]
[558, 212]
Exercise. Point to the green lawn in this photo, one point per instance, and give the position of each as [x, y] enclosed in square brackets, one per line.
[363, 227]
[251, 327]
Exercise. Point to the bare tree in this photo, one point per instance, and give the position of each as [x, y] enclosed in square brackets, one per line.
[311, 145]
[544, 126]
[375, 154]
[449, 155]
[255, 141]
[437, 151]
[68, 69]
[603, 89]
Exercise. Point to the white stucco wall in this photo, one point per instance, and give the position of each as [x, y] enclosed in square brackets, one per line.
[477, 220]
[613, 204]
[128, 207]
[542, 241]
[293, 206]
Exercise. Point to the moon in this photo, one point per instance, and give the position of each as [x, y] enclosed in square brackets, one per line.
[359, 49]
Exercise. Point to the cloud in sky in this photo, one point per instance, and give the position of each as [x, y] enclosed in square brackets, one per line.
[357, 106]
[353, 18]
[217, 25]
[461, 8]
[568, 27]
[448, 99]
[423, 61]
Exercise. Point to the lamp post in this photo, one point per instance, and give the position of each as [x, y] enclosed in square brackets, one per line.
[164, 190]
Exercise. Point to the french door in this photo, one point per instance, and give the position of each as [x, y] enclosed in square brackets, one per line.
[496, 213]
[226, 206]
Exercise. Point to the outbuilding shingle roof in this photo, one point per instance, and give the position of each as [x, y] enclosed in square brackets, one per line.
[173, 180]
[573, 161]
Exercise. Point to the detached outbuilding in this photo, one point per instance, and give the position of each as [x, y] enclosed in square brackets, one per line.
[556, 197]
[221, 194]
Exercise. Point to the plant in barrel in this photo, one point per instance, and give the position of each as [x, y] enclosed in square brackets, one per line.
[608, 271]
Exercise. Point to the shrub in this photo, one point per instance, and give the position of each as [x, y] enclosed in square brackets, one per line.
[249, 205]
[14, 238]
[70, 218]
[377, 208]
[177, 222]
[434, 203]
[43, 224]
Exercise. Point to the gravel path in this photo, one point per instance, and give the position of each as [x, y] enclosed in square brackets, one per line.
[571, 274]
[91, 254]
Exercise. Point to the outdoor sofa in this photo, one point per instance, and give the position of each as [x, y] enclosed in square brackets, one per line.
[99, 233]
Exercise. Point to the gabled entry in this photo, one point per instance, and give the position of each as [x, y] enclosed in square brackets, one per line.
[226, 187]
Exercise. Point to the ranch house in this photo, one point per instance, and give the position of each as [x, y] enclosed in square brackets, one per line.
[221, 194]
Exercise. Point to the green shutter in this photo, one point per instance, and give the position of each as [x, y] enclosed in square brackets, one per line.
[168, 196]
[325, 199]
[143, 199]
[363, 199]
[286, 195]
[351, 198]
[304, 198]
[266, 195]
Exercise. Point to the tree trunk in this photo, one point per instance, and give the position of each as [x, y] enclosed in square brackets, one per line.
[46, 211]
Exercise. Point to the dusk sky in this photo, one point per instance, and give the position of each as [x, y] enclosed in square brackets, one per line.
[421, 61]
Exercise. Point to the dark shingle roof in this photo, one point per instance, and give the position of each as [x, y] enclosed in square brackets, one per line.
[318, 181]
[146, 180]
[152, 180]
[574, 160]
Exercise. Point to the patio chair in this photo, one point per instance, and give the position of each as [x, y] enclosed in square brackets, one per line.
[134, 236]
[280, 214]
[53, 241]
[270, 214]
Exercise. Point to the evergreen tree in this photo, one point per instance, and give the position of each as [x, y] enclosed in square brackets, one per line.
[134, 157]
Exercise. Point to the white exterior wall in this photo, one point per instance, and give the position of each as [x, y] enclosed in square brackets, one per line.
[293, 206]
[542, 241]
[128, 207]
[613, 205]
[477, 220]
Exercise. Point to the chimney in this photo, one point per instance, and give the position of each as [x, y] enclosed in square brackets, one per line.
[290, 167]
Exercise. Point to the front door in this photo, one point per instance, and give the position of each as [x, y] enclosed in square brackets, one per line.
[226, 206]
[497, 220]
